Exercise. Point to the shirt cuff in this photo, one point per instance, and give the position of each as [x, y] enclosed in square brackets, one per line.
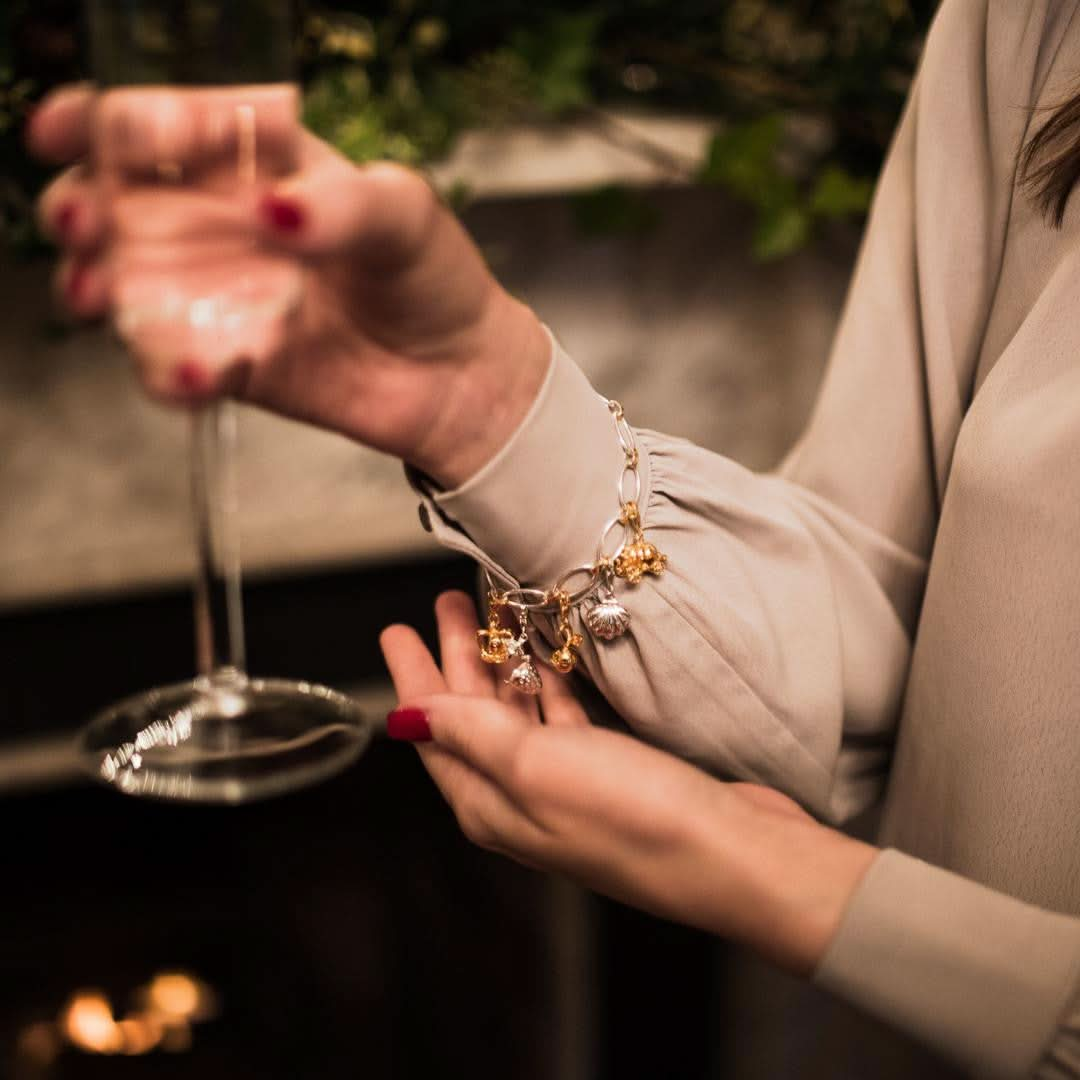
[538, 508]
[979, 976]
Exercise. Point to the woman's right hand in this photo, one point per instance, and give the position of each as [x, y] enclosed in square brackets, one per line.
[404, 340]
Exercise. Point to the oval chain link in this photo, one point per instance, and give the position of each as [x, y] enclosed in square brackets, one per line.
[540, 602]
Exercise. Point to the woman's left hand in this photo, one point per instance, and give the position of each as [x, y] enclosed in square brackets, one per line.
[536, 781]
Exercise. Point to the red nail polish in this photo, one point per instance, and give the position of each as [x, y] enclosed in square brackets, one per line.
[65, 220]
[283, 214]
[191, 376]
[408, 725]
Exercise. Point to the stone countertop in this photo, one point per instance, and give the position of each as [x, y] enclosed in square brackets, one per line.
[93, 478]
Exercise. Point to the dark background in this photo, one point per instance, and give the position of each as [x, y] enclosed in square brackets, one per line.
[350, 929]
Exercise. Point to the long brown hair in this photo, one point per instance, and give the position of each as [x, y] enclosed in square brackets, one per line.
[1050, 161]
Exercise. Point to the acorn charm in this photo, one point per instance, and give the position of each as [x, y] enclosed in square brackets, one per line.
[608, 620]
[526, 678]
[564, 660]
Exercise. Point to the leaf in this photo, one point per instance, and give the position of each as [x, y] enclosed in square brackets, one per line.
[613, 210]
[838, 194]
[559, 55]
[781, 231]
[743, 157]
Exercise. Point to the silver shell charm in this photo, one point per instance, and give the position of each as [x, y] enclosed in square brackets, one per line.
[525, 677]
[608, 619]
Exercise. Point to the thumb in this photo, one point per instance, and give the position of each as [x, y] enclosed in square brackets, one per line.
[382, 213]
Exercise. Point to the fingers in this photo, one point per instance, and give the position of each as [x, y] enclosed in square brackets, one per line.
[412, 667]
[383, 212]
[486, 815]
[83, 286]
[183, 132]
[484, 733]
[465, 672]
[59, 130]
[558, 705]
[70, 213]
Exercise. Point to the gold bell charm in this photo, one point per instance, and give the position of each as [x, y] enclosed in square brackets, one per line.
[564, 659]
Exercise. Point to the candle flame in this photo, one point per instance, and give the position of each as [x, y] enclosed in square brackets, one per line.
[166, 1008]
[176, 995]
[88, 1023]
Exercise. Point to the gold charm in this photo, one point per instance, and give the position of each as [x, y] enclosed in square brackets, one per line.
[564, 659]
[495, 642]
[639, 557]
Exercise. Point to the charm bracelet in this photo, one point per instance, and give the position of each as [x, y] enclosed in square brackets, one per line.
[606, 618]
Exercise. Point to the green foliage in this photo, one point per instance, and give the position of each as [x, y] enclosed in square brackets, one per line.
[613, 210]
[748, 160]
[401, 79]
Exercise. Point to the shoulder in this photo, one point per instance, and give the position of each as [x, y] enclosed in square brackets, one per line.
[1010, 48]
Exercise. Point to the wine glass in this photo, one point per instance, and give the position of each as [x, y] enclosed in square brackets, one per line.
[196, 112]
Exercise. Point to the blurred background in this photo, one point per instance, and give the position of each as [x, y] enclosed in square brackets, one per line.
[678, 188]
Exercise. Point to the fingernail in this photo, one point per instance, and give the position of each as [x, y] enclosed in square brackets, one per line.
[191, 376]
[65, 220]
[282, 214]
[408, 725]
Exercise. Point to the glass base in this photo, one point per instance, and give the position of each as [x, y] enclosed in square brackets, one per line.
[224, 740]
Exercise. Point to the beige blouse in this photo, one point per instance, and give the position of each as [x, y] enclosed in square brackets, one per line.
[898, 608]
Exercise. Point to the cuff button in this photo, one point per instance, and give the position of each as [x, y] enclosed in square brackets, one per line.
[425, 517]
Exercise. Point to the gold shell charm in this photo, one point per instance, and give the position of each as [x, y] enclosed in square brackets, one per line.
[608, 619]
[494, 644]
[526, 678]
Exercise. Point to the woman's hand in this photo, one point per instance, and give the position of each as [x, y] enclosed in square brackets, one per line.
[404, 341]
[535, 781]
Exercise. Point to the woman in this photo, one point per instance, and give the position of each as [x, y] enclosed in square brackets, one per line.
[910, 576]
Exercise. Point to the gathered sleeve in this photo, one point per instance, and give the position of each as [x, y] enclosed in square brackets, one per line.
[776, 646]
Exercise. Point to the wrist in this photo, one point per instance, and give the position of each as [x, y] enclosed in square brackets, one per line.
[792, 880]
[504, 363]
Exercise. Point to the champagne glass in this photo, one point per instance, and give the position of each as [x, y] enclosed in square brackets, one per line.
[196, 112]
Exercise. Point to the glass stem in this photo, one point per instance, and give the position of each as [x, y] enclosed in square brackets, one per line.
[219, 611]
